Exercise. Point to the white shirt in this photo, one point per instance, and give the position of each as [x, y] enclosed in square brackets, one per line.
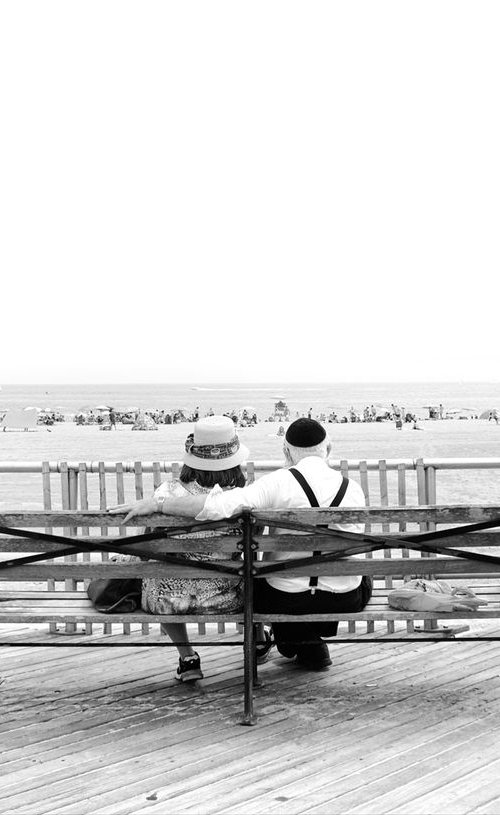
[281, 490]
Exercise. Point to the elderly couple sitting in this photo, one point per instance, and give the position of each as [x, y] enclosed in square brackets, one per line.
[212, 487]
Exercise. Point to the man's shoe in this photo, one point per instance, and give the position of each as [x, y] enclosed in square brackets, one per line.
[287, 649]
[189, 669]
[314, 657]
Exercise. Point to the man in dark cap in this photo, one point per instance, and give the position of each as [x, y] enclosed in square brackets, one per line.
[307, 480]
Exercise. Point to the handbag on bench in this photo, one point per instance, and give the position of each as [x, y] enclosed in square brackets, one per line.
[434, 595]
[116, 595]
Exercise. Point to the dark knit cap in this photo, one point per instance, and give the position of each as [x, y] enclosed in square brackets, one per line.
[305, 433]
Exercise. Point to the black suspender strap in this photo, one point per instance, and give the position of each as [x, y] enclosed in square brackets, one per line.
[340, 495]
[313, 581]
[305, 486]
[310, 494]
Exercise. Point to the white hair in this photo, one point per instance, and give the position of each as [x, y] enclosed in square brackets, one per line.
[295, 454]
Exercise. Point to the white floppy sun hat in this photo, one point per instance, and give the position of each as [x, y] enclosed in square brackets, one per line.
[214, 445]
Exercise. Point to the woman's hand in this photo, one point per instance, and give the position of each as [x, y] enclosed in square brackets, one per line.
[146, 506]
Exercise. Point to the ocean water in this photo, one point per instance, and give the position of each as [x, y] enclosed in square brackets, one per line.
[67, 441]
[221, 397]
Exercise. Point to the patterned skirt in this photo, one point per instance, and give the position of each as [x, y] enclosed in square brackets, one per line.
[180, 595]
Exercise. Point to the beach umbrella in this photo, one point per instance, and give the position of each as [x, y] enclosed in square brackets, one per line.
[32, 407]
[102, 407]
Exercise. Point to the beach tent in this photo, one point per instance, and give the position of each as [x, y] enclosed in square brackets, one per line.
[20, 419]
[493, 412]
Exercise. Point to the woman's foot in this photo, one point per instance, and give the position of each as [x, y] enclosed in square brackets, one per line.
[189, 669]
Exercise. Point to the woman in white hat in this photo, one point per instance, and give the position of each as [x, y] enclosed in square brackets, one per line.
[213, 456]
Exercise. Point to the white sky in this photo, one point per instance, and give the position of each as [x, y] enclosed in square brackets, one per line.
[249, 191]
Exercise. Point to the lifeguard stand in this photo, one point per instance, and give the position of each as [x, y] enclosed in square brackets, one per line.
[281, 411]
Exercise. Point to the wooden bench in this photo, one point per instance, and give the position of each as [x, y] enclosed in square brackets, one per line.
[53, 591]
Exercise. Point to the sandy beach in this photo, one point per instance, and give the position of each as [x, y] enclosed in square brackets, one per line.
[436, 439]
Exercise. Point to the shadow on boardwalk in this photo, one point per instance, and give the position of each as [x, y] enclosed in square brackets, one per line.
[390, 728]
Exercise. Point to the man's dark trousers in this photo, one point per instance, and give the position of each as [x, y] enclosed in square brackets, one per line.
[268, 599]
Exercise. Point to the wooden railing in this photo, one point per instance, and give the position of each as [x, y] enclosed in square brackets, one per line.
[96, 484]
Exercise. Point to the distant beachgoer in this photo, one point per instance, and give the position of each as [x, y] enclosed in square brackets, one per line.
[112, 418]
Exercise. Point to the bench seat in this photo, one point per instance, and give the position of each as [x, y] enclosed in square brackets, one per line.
[74, 607]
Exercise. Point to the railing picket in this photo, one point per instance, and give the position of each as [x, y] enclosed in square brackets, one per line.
[107, 627]
[139, 484]
[47, 504]
[421, 491]
[69, 584]
[344, 472]
[250, 472]
[85, 531]
[410, 626]
[139, 494]
[424, 526]
[156, 475]
[384, 501]
[120, 499]
[363, 477]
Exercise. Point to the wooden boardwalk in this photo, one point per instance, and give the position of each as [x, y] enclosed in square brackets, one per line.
[390, 728]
